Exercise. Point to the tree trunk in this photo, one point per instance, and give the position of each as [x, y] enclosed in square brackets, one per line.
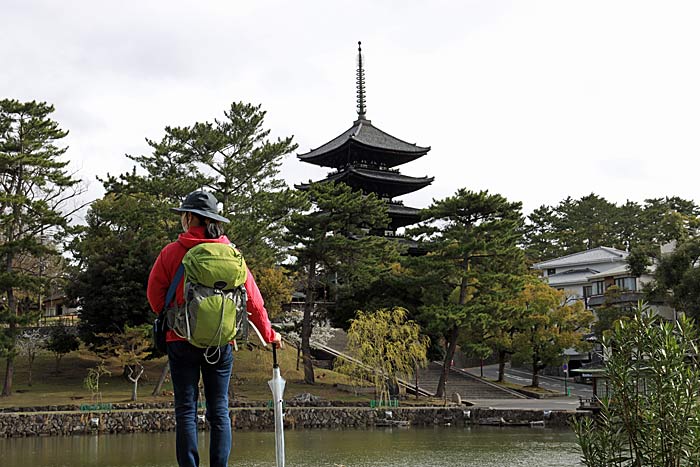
[10, 367]
[164, 374]
[135, 379]
[306, 326]
[535, 373]
[501, 365]
[31, 364]
[306, 346]
[415, 367]
[452, 346]
[9, 373]
[58, 362]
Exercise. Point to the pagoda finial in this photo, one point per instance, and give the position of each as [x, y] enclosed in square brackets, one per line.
[361, 109]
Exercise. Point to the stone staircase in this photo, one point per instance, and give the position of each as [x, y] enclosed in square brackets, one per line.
[469, 387]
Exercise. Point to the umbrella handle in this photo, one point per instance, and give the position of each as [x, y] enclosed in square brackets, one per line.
[274, 356]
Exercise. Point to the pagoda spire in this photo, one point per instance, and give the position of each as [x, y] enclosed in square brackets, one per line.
[361, 108]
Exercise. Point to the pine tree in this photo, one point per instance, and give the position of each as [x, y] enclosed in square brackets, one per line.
[473, 260]
[235, 159]
[35, 191]
[333, 249]
[114, 253]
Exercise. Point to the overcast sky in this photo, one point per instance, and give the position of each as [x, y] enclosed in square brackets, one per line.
[536, 100]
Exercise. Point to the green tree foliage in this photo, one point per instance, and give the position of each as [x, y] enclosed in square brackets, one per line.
[333, 250]
[571, 226]
[677, 278]
[548, 326]
[387, 346]
[578, 224]
[61, 341]
[232, 157]
[652, 413]
[496, 323]
[36, 191]
[276, 287]
[473, 263]
[236, 160]
[114, 254]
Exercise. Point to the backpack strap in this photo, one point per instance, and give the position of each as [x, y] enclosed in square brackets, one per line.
[173, 285]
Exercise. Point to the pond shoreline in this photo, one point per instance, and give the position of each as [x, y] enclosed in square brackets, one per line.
[155, 418]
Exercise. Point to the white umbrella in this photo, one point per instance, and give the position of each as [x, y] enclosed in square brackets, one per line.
[277, 387]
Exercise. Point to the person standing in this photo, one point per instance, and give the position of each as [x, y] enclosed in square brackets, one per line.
[201, 223]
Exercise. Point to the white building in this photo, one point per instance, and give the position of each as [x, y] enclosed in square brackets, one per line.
[571, 273]
[586, 276]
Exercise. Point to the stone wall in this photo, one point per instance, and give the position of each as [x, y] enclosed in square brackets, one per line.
[548, 418]
[21, 424]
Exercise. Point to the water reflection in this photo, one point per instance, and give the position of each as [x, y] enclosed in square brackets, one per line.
[420, 447]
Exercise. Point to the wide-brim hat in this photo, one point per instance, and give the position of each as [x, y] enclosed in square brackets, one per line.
[202, 203]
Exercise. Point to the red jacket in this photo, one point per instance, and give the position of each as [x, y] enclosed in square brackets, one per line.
[164, 270]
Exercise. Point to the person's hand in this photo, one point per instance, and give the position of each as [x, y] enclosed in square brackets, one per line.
[277, 340]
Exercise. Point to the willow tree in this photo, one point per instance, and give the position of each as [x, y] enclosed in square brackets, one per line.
[36, 191]
[385, 346]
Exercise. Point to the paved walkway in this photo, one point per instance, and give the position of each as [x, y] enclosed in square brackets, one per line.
[554, 403]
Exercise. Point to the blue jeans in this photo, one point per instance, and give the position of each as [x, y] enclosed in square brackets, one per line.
[186, 363]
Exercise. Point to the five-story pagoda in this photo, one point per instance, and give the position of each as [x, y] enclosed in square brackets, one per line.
[366, 158]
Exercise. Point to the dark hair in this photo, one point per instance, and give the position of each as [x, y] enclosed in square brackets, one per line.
[212, 228]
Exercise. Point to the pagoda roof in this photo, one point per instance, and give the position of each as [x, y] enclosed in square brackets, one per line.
[368, 142]
[381, 182]
[402, 216]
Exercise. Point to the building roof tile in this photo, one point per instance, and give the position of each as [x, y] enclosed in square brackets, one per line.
[364, 134]
[601, 254]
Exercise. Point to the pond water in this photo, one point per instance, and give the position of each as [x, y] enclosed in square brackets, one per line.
[392, 447]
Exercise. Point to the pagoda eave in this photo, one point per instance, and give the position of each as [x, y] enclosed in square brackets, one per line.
[401, 216]
[366, 138]
[377, 181]
[352, 151]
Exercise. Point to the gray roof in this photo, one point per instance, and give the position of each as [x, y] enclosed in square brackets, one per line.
[620, 270]
[399, 209]
[571, 276]
[377, 181]
[378, 144]
[402, 216]
[602, 254]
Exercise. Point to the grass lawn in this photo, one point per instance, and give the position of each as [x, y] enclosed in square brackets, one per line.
[252, 369]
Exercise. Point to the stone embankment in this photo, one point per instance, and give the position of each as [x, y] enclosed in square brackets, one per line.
[152, 419]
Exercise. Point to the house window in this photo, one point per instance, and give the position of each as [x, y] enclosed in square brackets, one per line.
[626, 283]
[598, 288]
[587, 291]
[551, 271]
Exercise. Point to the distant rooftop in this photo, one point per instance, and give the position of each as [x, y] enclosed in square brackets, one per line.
[601, 254]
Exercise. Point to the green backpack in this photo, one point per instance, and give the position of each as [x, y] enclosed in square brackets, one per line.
[215, 297]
